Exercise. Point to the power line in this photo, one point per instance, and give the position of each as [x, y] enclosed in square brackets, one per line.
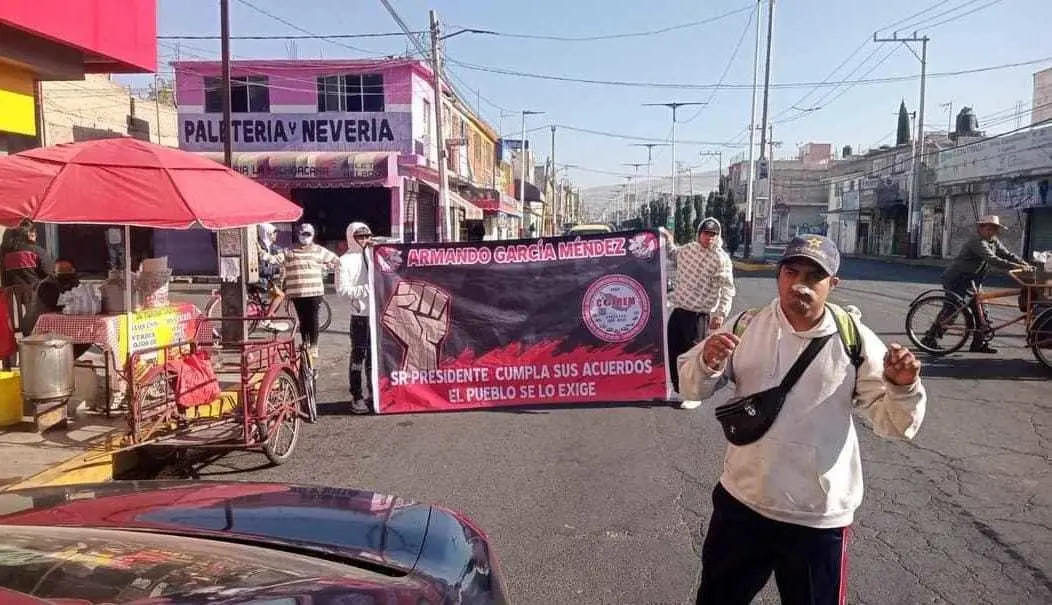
[955, 14]
[744, 86]
[620, 36]
[287, 36]
[730, 63]
[629, 137]
[300, 29]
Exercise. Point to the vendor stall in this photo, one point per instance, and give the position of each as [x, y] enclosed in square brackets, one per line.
[153, 356]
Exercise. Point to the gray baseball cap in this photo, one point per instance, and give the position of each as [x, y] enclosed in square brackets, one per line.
[819, 249]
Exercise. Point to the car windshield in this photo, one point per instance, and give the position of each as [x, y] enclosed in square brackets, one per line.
[116, 566]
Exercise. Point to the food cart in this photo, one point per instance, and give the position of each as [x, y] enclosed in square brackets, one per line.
[164, 358]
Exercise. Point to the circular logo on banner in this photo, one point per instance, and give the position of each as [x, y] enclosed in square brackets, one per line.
[615, 308]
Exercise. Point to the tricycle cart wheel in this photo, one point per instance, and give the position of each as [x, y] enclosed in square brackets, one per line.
[280, 421]
[1040, 338]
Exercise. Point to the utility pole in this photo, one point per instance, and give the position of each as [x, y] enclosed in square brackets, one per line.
[440, 138]
[674, 106]
[650, 164]
[635, 175]
[770, 184]
[522, 168]
[718, 155]
[750, 184]
[764, 124]
[234, 294]
[918, 143]
[555, 188]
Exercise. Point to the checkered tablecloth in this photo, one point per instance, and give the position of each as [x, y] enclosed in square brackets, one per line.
[104, 330]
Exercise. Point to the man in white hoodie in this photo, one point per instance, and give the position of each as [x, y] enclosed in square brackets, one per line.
[785, 500]
[352, 281]
[701, 296]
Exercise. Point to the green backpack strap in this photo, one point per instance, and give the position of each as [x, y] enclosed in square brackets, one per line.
[849, 334]
[845, 324]
[743, 321]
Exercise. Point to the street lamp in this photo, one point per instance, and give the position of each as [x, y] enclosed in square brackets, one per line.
[522, 164]
[650, 161]
[674, 106]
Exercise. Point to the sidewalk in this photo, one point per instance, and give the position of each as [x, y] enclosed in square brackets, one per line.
[82, 453]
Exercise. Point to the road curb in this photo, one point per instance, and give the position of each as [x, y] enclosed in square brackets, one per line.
[102, 459]
[748, 267]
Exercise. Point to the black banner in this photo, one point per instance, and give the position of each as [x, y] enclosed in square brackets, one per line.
[521, 322]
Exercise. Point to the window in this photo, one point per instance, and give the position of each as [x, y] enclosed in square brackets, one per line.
[249, 94]
[353, 93]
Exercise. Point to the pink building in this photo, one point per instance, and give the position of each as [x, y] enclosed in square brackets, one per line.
[347, 140]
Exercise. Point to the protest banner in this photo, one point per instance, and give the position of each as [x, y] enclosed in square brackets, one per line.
[524, 322]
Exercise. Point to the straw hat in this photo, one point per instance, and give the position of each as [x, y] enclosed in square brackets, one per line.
[990, 219]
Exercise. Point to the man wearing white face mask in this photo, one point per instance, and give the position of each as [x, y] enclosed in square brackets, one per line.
[305, 267]
[352, 281]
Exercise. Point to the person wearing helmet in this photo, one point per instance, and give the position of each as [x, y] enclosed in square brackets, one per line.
[352, 281]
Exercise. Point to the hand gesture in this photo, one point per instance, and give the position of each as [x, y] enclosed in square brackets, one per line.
[718, 349]
[901, 367]
[418, 315]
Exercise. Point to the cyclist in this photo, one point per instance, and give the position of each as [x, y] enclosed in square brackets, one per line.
[965, 278]
[304, 269]
[271, 258]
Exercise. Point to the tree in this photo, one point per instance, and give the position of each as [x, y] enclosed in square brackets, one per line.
[903, 136]
[699, 209]
[162, 90]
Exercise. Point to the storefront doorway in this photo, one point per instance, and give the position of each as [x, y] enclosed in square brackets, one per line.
[330, 210]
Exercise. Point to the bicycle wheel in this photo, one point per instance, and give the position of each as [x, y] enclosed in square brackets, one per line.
[214, 310]
[308, 380]
[946, 337]
[280, 427]
[1039, 337]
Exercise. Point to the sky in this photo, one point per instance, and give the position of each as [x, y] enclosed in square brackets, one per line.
[812, 39]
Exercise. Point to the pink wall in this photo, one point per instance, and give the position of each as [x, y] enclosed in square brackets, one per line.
[122, 33]
[295, 82]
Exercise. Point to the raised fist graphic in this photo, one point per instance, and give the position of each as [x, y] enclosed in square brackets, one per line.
[418, 315]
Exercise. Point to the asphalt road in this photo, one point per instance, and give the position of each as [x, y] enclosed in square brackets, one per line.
[608, 504]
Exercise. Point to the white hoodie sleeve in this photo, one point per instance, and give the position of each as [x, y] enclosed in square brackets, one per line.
[725, 282]
[697, 381]
[895, 412]
[348, 276]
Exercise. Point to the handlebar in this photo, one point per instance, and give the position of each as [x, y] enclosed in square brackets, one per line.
[1015, 275]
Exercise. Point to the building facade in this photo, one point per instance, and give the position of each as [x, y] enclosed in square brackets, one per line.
[1041, 108]
[1005, 175]
[349, 140]
[52, 40]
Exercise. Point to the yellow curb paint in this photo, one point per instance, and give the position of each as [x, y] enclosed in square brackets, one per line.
[96, 464]
[92, 466]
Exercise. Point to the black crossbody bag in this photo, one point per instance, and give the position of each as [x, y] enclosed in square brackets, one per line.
[746, 419]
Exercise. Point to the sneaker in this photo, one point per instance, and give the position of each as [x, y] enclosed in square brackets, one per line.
[930, 342]
[359, 406]
[983, 348]
[689, 404]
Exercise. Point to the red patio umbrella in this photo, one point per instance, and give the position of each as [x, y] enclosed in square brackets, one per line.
[125, 181]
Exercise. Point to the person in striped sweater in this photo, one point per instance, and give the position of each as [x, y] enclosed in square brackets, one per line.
[304, 271]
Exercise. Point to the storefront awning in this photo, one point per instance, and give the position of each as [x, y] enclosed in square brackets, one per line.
[506, 206]
[316, 169]
[471, 211]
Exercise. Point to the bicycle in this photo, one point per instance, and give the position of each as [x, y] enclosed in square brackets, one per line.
[257, 309]
[927, 324]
